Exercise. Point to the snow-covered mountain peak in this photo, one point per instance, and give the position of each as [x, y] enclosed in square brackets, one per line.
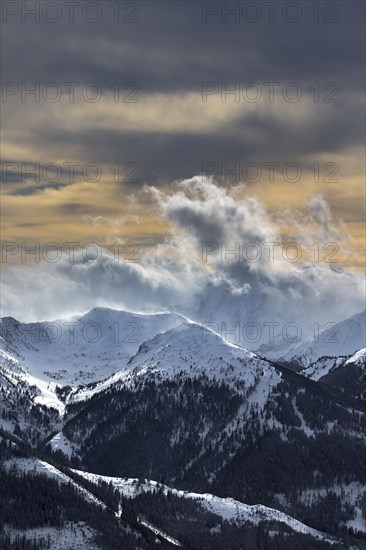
[192, 335]
[82, 349]
[339, 339]
[358, 358]
[191, 350]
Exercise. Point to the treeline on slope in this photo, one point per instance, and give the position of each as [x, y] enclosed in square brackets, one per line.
[174, 433]
[186, 520]
[347, 395]
[31, 500]
[141, 424]
[159, 433]
[349, 378]
[274, 466]
[17, 407]
[199, 529]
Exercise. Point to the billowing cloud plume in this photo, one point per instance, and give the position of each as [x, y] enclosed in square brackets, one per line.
[226, 261]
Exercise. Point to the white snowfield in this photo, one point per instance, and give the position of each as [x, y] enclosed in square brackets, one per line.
[190, 350]
[75, 351]
[322, 367]
[325, 365]
[341, 339]
[359, 358]
[164, 346]
[227, 508]
[105, 346]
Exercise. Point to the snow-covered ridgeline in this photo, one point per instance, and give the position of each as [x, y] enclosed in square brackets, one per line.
[227, 508]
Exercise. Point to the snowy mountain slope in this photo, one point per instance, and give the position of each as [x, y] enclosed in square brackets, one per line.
[277, 348]
[227, 508]
[341, 339]
[350, 376]
[77, 350]
[20, 414]
[179, 356]
[358, 358]
[194, 410]
[345, 373]
[95, 346]
[208, 415]
[323, 366]
[59, 442]
[82, 536]
[37, 466]
[67, 513]
[190, 350]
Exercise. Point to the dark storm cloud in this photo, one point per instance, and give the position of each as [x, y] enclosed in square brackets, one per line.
[166, 156]
[170, 50]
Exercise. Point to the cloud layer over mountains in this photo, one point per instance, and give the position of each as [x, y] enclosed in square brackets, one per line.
[226, 260]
